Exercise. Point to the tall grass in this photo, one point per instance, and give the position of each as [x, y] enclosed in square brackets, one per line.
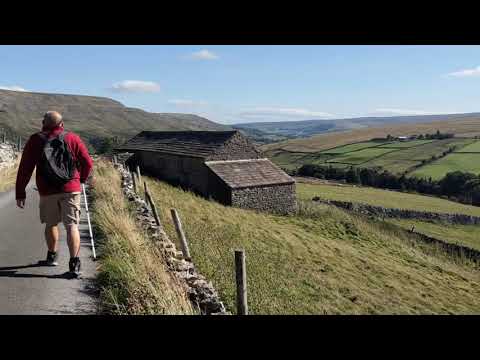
[132, 274]
[321, 261]
[8, 176]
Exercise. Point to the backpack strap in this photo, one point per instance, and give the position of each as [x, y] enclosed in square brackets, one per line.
[62, 135]
[43, 136]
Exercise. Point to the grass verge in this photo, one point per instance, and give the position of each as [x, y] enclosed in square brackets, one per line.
[132, 275]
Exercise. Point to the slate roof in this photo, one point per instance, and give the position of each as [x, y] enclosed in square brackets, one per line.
[249, 173]
[187, 143]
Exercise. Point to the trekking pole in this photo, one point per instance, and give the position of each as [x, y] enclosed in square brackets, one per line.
[88, 219]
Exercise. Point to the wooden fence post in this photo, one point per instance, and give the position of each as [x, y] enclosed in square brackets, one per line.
[115, 161]
[145, 189]
[4, 138]
[152, 205]
[181, 235]
[139, 175]
[134, 182]
[19, 143]
[241, 279]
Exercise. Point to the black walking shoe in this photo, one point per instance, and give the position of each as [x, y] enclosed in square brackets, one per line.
[51, 259]
[74, 266]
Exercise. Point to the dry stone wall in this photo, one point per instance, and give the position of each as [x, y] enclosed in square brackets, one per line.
[201, 292]
[8, 155]
[382, 212]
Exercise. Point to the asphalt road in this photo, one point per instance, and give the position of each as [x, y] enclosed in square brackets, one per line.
[28, 288]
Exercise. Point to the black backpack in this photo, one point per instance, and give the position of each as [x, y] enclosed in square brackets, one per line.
[56, 163]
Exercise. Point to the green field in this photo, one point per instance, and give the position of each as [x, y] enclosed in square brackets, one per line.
[384, 198]
[406, 144]
[398, 157]
[466, 235]
[466, 162]
[288, 160]
[396, 166]
[353, 147]
[475, 147]
[360, 156]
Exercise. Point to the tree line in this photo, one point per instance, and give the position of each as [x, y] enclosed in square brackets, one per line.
[458, 186]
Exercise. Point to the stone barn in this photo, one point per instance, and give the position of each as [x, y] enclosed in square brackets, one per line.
[222, 165]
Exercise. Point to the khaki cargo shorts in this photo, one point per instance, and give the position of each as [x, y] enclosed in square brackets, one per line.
[57, 208]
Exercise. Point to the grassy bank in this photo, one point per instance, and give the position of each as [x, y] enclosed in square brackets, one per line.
[384, 198]
[8, 176]
[322, 261]
[132, 274]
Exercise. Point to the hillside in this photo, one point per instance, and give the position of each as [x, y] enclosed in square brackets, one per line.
[89, 116]
[321, 261]
[284, 130]
[460, 127]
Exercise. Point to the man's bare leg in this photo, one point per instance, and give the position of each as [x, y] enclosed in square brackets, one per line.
[51, 237]
[73, 239]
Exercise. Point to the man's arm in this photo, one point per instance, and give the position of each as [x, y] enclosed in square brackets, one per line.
[25, 169]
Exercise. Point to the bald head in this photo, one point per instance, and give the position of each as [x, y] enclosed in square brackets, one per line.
[52, 119]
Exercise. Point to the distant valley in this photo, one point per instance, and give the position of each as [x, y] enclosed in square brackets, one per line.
[269, 132]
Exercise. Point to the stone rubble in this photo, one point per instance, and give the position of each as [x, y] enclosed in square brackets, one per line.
[201, 292]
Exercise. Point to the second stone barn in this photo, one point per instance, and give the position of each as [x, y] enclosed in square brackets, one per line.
[222, 165]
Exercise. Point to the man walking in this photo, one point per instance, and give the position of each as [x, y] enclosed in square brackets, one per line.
[63, 164]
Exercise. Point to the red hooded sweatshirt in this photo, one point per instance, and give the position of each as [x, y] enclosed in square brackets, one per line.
[31, 157]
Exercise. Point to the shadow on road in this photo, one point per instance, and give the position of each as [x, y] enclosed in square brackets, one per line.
[13, 274]
[11, 271]
[18, 267]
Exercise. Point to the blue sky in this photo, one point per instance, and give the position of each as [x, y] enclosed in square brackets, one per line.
[231, 84]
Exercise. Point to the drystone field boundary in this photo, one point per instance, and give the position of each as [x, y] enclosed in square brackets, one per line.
[201, 292]
[377, 211]
[382, 212]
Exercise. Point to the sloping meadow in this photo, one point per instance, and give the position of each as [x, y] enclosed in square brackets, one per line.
[320, 261]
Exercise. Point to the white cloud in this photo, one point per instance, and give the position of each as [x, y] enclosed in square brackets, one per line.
[136, 86]
[203, 55]
[185, 102]
[284, 112]
[391, 111]
[466, 72]
[12, 88]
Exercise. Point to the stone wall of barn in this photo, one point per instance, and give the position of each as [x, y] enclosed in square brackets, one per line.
[238, 147]
[177, 170]
[278, 199]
